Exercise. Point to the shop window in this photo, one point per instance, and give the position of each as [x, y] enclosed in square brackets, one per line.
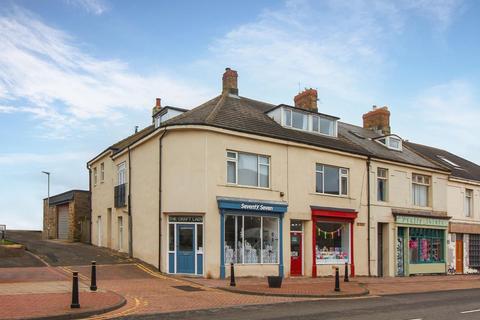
[332, 243]
[474, 251]
[251, 239]
[248, 169]
[331, 180]
[468, 202]
[420, 190]
[426, 245]
[382, 183]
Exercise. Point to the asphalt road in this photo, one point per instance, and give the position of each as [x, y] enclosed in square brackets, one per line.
[446, 305]
[58, 253]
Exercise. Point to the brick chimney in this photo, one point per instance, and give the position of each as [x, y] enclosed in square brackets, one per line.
[230, 81]
[157, 107]
[378, 120]
[307, 100]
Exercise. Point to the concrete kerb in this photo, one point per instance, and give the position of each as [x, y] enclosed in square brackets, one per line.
[295, 295]
[85, 314]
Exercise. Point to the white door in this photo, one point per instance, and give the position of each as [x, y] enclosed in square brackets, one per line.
[120, 233]
[99, 231]
[63, 222]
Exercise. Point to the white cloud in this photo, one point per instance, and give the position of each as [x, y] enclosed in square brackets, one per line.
[64, 86]
[96, 7]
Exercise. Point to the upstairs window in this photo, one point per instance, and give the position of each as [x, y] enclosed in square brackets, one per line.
[309, 122]
[331, 180]
[420, 190]
[468, 202]
[95, 176]
[121, 169]
[102, 172]
[248, 169]
[382, 184]
[391, 142]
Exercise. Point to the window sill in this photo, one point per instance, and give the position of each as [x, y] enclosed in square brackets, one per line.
[246, 187]
[422, 208]
[332, 195]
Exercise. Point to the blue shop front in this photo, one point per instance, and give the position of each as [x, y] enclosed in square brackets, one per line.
[251, 236]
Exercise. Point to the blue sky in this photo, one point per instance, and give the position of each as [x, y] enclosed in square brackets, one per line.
[78, 75]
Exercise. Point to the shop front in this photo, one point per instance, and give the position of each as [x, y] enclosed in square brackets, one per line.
[333, 239]
[251, 236]
[421, 243]
[463, 248]
[185, 244]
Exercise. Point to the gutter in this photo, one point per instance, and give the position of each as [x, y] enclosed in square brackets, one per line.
[130, 226]
[160, 199]
[368, 217]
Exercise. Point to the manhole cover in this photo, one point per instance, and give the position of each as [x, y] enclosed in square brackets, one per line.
[188, 288]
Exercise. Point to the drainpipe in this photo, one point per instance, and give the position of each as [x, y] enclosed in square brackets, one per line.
[130, 227]
[368, 216]
[160, 199]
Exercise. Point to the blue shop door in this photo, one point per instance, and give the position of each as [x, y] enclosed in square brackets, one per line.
[185, 248]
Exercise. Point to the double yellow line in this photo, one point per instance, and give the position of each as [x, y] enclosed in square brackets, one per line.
[119, 314]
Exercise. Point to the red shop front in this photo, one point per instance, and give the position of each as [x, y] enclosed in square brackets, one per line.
[332, 237]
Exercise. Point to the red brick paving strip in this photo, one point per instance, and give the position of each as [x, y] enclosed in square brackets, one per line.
[54, 304]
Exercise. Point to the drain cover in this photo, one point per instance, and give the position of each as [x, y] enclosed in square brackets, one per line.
[188, 288]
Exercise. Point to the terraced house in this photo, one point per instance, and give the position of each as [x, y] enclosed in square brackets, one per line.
[274, 189]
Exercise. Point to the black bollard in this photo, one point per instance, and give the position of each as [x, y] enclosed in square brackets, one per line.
[93, 278]
[232, 276]
[346, 273]
[75, 302]
[337, 280]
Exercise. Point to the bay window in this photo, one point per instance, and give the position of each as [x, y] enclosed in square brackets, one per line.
[248, 169]
[251, 239]
[331, 180]
[420, 190]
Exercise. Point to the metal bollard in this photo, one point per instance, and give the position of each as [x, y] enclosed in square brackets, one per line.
[346, 273]
[93, 278]
[232, 276]
[75, 302]
[337, 280]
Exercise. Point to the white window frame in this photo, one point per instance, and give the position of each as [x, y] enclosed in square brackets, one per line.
[468, 208]
[387, 142]
[102, 172]
[422, 180]
[243, 238]
[310, 119]
[95, 176]
[235, 160]
[341, 175]
[385, 179]
[122, 168]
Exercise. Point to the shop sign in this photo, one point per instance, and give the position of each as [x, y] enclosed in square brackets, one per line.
[255, 206]
[185, 219]
[424, 221]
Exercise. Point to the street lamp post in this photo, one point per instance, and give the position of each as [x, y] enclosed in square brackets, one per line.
[48, 200]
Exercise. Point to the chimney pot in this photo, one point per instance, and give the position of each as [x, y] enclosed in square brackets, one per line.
[158, 102]
[307, 100]
[157, 107]
[230, 81]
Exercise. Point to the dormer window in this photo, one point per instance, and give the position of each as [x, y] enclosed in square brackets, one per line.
[392, 142]
[314, 122]
[166, 113]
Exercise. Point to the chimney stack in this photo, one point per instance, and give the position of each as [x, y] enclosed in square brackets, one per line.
[157, 107]
[230, 84]
[307, 100]
[377, 120]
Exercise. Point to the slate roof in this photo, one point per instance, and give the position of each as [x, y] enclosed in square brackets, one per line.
[466, 170]
[355, 134]
[248, 116]
[64, 197]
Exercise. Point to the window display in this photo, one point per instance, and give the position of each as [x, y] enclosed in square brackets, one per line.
[426, 245]
[251, 239]
[332, 242]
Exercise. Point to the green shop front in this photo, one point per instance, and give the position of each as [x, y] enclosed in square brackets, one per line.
[421, 243]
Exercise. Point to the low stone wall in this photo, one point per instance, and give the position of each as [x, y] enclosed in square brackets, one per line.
[11, 250]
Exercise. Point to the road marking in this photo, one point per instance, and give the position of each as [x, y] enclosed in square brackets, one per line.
[120, 313]
[470, 311]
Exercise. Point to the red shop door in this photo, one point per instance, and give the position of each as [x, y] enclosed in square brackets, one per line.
[295, 253]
